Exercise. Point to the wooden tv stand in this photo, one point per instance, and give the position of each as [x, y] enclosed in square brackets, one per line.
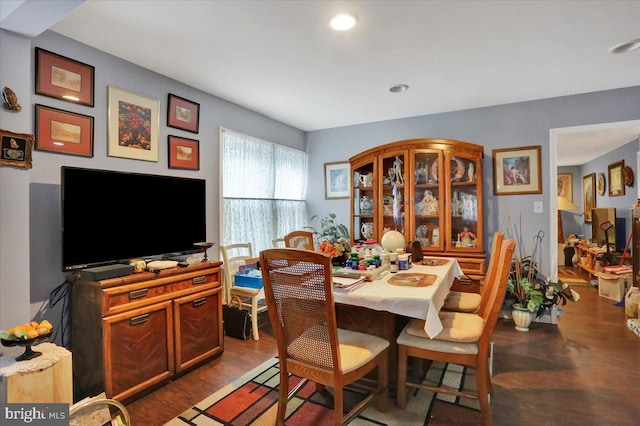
[132, 334]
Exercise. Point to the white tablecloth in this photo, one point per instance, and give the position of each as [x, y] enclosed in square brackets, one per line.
[415, 302]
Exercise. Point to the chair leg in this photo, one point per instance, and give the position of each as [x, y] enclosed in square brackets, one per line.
[482, 380]
[382, 404]
[401, 392]
[254, 318]
[282, 396]
[338, 405]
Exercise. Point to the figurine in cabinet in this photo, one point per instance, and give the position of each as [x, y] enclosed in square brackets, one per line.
[458, 172]
[471, 177]
[434, 172]
[429, 204]
[467, 238]
[397, 168]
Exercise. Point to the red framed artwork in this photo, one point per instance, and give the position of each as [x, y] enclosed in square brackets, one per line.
[64, 78]
[183, 114]
[184, 153]
[63, 131]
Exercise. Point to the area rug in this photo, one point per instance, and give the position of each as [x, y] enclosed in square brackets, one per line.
[252, 400]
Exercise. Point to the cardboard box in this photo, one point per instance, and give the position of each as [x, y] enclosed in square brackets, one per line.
[613, 287]
[243, 280]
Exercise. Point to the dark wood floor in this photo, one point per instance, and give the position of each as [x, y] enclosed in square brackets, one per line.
[583, 371]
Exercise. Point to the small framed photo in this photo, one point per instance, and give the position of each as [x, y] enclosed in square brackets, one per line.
[337, 180]
[183, 114]
[64, 78]
[588, 195]
[63, 131]
[16, 149]
[565, 185]
[616, 181]
[133, 125]
[184, 153]
[517, 171]
[601, 183]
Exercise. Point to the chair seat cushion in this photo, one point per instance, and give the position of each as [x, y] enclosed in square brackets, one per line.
[456, 327]
[356, 349]
[423, 342]
[460, 301]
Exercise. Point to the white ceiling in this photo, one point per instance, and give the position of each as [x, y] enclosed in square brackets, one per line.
[281, 59]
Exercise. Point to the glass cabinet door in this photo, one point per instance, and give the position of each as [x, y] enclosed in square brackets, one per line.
[363, 201]
[427, 199]
[393, 175]
[462, 175]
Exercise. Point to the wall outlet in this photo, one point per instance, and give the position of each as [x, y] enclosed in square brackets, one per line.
[537, 206]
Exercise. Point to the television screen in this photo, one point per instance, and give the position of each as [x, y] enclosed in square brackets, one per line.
[110, 217]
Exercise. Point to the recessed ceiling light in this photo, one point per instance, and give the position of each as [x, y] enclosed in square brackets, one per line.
[343, 22]
[399, 88]
[626, 46]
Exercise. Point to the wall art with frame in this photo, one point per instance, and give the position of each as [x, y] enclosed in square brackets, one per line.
[16, 149]
[517, 171]
[616, 181]
[565, 185]
[184, 153]
[183, 114]
[63, 132]
[64, 78]
[133, 125]
[337, 182]
[588, 195]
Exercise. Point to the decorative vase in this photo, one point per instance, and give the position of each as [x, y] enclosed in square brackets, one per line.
[522, 317]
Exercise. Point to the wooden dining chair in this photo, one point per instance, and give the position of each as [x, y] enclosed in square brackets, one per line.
[298, 286]
[277, 243]
[300, 240]
[463, 301]
[465, 340]
[234, 255]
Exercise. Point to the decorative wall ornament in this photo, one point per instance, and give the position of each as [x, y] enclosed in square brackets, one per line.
[601, 183]
[10, 100]
[16, 149]
[627, 176]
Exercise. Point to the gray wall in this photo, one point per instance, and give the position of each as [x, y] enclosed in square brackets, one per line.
[502, 126]
[32, 249]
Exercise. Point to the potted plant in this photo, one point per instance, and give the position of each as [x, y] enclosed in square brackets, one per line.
[333, 237]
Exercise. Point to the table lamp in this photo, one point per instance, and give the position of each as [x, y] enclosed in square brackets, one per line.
[563, 204]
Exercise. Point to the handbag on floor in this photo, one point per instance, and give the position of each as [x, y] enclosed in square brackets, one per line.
[237, 321]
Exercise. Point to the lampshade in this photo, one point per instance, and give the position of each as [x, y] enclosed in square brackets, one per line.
[565, 204]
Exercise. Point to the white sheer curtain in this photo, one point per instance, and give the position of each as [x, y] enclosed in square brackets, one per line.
[263, 189]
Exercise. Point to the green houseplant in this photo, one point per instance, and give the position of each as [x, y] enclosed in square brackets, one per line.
[333, 236]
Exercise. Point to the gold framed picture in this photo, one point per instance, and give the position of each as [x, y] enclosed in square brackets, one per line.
[588, 195]
[517, 171]
[616, 182]
[565, 185]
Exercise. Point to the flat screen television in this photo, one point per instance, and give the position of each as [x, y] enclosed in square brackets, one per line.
[110, 217]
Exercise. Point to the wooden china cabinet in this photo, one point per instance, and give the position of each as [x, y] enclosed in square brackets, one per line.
[427, 189]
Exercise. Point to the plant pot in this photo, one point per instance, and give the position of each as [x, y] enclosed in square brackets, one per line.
[522, 317]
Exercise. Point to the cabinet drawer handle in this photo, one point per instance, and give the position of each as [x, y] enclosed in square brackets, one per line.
[199, 280]
[136, 294]
[140, 319]
[199, 302]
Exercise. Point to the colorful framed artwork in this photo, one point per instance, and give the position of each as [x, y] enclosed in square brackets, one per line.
[183, 114]
[565, 185]
[16, 149]
[63, 132]
[184, 153]
[64, 78]
[616, 181]
[588, 195]
[133, 125]
[601, 183]
[517, 171]
[337, 180]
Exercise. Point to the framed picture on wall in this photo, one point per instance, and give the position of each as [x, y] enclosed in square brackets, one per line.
[601, 183]
[63, 132]
[183, 114]
[16, 149]
[565, 185]
[588, 195]
[517, 171]
[616, 182]
[184, 153]
[64, 78]
[133, 125]
[336, 180]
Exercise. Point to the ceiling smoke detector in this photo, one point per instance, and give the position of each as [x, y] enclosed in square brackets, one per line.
[399, 88]
[626, 46]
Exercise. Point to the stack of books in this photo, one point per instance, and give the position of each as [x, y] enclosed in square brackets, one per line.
[347, 282]
[617, 270]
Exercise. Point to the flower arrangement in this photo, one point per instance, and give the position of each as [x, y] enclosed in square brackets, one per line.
[333, 236]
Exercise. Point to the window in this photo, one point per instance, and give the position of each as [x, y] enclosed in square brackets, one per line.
[263, 189]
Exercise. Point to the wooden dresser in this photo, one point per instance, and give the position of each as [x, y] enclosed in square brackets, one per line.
[134, 333]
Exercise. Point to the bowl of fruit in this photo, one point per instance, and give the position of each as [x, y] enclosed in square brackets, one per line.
[27, 335]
